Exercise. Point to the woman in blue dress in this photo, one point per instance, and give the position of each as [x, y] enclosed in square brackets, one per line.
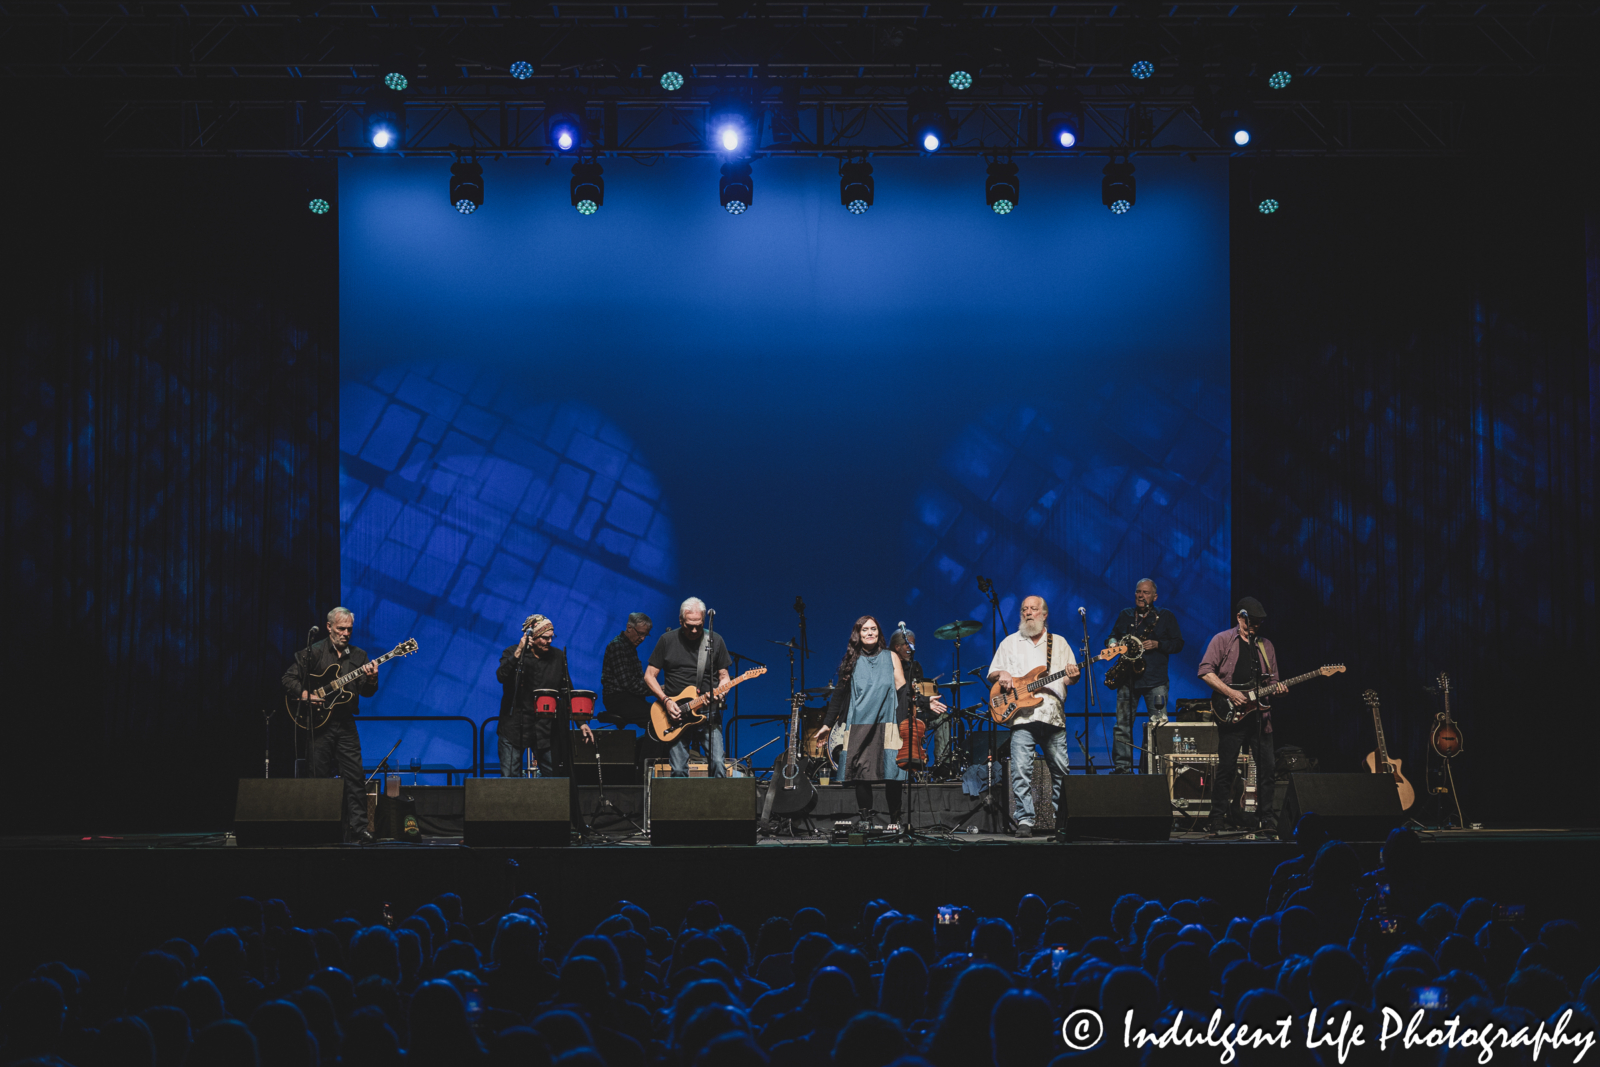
[871, 698]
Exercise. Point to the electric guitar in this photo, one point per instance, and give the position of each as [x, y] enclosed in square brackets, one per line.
[664, 728]
[1378, 762]
[1446, 738]
[1224, 711]
[1028, 691]
[333, 691]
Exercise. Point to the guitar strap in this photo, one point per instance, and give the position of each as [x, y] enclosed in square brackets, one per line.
[705, 652]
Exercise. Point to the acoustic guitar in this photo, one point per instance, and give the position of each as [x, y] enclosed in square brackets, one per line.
[1227, 712]
[1446, 739]
[1378, 761]
[1028, 690]
[789, 792]
[664, 728]
[333, 690]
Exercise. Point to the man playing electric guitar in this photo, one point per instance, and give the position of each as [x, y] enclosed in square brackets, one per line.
[1248, 661]
[675, 665]
[336, 741]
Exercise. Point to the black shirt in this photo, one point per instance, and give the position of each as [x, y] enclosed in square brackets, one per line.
[1158, 626]
[310, 671]
[548, 671]
[676, 655]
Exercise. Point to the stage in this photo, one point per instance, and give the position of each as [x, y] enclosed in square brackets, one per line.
[85, 899]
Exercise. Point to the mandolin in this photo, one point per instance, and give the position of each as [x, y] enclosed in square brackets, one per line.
[1255, 699]
[1378, 762]
[1028, 690]
[1446, 739]
[333, 691]
[666, 730]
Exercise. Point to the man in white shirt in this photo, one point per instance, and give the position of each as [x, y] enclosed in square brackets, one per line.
[1044, 724]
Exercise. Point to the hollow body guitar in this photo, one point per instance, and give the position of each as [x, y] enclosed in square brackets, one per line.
[333, 689]
[1028, 691]
[692, 703]
[1378, 761]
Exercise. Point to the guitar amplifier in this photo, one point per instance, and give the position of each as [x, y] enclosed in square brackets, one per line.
[1190, 779]
[698, 768]
[1184, 738]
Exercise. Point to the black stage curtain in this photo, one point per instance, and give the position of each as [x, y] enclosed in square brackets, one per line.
[171, 490]
[1415, 418]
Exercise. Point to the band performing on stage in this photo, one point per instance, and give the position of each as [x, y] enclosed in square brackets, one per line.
[883, 723]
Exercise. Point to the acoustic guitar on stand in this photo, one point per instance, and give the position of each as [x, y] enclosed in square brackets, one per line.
[664, 728]
[1028, 691]
[1378, 761]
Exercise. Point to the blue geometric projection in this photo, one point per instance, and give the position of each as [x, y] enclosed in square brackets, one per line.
[1077, 507]
[467, 505]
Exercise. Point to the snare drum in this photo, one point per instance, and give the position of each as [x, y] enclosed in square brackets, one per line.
[582, 703]
[546, 701]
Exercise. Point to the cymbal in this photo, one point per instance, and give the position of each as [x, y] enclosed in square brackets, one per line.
[955, 685]
[960, 628]
[810, 694]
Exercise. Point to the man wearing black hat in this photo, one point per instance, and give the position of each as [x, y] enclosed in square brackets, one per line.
[1248, 661]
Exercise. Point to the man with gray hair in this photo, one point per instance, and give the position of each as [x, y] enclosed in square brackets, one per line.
[675, 664]
[1156, 630]
[336, 742]
[1044, 725]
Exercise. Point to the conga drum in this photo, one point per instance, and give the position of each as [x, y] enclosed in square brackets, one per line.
[810, 722]
[583, 704]
[546, 701]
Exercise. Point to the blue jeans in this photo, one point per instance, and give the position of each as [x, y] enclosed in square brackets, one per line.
[1053, 739]
[678, 754]
[1155, 703]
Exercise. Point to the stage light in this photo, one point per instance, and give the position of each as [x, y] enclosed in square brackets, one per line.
[856, 186]
[1001, 189]
[466, 186]
[1267, 206]
[672, 81]
[1142, 69]
[736, 188]
[396, 81]
[564, 123]
[588, 188]
[1241, 136]
[385, 125]
[928, 120]
[1117, 188]
[319, 206]
[960, 80]
[522, 70]
[1062, 123]
[1280, 79]
[1235, 128]
[732, 125]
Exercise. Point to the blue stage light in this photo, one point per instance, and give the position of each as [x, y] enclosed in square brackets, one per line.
[319, 206]
[1280, 79]
[1241, 137]
[1142, 69]
[728, 138]
[732, 124]
[856, 187]
[588, 188]
[1001, 189]
[384, 126]
[1120, 207]
[564, 123]
[396, 81]
[928, 121]
[960, 80]
[736, 188]
[1267, 206]
[672, 81]
[466, 186]
[1118, 190]
[522, 70]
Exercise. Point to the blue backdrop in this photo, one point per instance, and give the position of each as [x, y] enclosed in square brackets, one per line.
[587, 416]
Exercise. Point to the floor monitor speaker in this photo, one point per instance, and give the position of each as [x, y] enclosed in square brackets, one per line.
[702, 811]
[518, 811]
[1354, 807]
[289, 811]
[1115, 807]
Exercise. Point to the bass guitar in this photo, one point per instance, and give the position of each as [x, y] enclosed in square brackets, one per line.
[664, 728]
[790, 791]
[333, 689]
[1227, 712]
[1378, 761]
[1028, 691]
[1446, 739]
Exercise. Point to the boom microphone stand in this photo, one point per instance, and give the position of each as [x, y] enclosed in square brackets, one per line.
[1088, 694]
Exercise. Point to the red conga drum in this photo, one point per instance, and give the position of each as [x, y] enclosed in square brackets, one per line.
[583, 704]
[546, 701]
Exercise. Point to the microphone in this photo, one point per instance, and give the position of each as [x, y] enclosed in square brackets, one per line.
[800, 605]
[1081, 611]
[711, 611]
[906, 634]
[311, 634]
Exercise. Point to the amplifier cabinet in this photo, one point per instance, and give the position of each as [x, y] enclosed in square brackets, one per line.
[1190, 779]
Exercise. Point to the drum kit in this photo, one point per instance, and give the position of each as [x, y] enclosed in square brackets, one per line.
[823, 755]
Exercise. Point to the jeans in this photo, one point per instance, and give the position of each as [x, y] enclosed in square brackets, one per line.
[338, 745]
[678, 754]
[542, 731]
[1155, 704]
[1053, 739]
[1248, 736]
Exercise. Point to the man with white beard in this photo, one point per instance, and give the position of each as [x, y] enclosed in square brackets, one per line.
[1044, 724]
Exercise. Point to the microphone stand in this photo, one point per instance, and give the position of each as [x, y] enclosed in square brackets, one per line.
[986, 587]
[305, 710]
[805, 646]
[516, 691]
[1088, 695]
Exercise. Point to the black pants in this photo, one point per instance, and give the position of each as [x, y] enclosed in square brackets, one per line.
[337, 745]
[1231, 740]
[552, 749]
[891, 790]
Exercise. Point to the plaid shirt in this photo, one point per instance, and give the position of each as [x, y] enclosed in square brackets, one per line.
[620, 671]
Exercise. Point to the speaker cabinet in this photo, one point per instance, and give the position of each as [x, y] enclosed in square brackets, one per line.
[1119, 807]
[1355, 807]
[702, 811]
[518, 811]
[289, 811]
